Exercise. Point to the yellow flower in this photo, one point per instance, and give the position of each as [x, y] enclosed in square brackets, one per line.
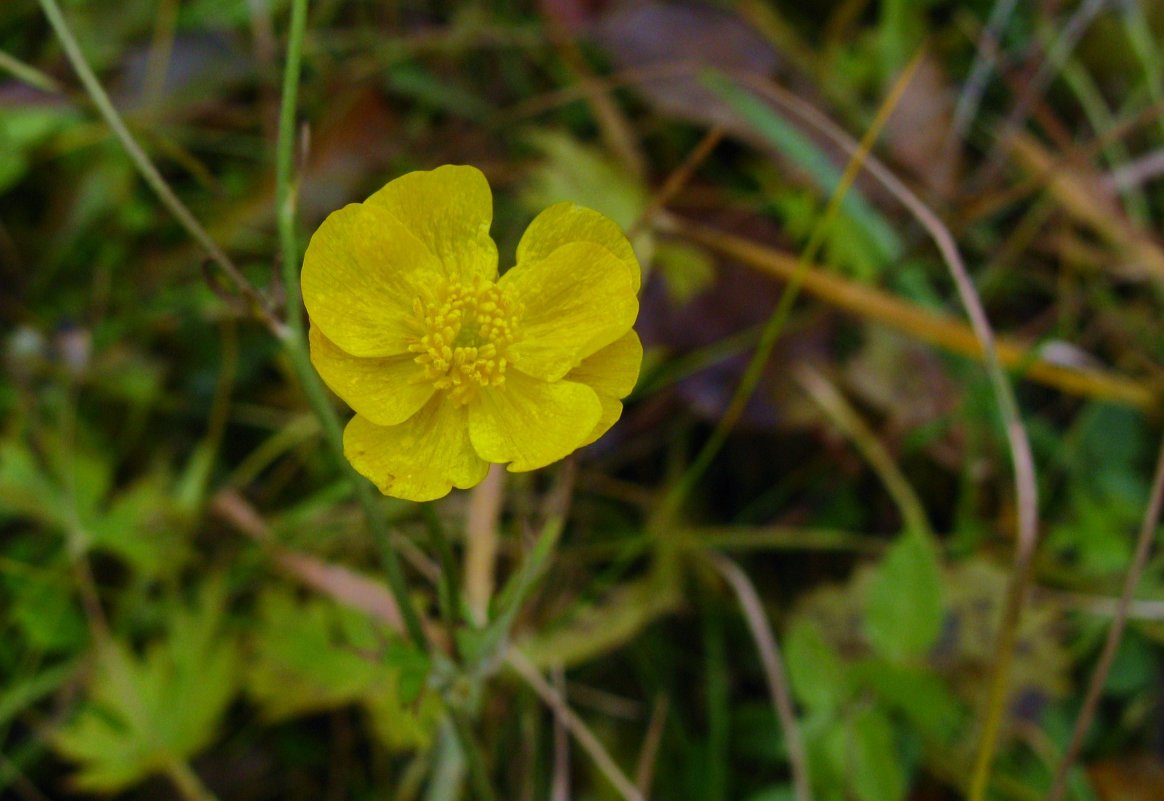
[449, 367]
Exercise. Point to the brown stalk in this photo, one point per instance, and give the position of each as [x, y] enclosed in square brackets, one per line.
[936, 329]
[1115, 633]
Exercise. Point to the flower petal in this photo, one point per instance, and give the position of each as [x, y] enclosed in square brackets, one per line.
[422, 458]
[611, 412]
[613, 370]
[361, 274]
[450, 210]
[386, 390]
[612, 373]
[576, 300]
[530, 423]
[563, 223]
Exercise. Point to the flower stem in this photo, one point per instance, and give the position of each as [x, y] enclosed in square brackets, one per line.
[286, 191]
[474, 756]
[293, 339]
[187, 781]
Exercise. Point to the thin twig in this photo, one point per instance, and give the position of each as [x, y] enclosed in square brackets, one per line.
[753, 611]
[28, 74]
[678, 179]
[975, 84]
[1115, 633]
[560, 781]
[590, 744]
[645, 774]
[1102, 605]
[613, 127]
[1136, 172]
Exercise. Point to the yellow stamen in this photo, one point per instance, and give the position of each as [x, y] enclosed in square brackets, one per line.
[466, 330]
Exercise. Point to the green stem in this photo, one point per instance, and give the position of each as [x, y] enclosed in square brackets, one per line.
[293, 339]
[377, 523]
[473, 756]
[448, 591]
[187, 781]
[286, 192]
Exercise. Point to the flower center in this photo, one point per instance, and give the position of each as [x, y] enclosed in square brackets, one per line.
[466, 330]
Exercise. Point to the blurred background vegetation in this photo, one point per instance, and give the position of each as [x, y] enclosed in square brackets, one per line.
[191, 605]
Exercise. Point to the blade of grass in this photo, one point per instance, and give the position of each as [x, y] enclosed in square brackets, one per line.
[715, 779]
[1094, 105]
[26, 73]
[286, 191]
[975, 85]
[677, 180]
[1080, 193]
[1138, 29]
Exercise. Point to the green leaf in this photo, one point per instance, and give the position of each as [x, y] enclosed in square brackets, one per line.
[23, 128]
[420, 84]
[317, 655]
[573, 171]
[22, 693]
[876, 772]
[398, 723]
[142, 527]
[860, 758]
[905, 604]
[145, 712]
[595, 629]
[922, 697]
[776, 792]
[44, 609]
[819, 678]
[26, 490]
[480, 645]
[1135, 666]
[309, 657]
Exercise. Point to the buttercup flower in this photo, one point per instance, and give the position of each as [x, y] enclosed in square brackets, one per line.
[449, 367]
